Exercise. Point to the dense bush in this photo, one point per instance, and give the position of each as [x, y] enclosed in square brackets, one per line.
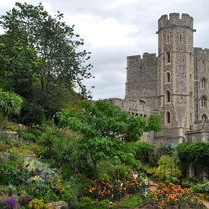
[167, 169]
[173, 196]
[195, 154]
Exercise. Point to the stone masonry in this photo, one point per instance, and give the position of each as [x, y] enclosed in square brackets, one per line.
[175, 83]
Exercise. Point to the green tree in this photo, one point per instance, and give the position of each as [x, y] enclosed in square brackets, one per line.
[10, 103]
[102, 119]
[42, 59]
[106, 130]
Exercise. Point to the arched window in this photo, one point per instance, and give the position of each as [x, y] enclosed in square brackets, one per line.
[168, 96]
[203, 83]
[204, 117]
[168, 77]
[168, 117]
[204, 101]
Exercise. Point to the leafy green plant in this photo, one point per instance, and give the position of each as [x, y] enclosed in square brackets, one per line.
[195, 154]
[167, 169]
[45, 68]
[10, 103]
[169, 195]
[37, 204]
[201, 188]
[143, 151]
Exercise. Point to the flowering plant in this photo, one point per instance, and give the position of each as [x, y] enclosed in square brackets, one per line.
[118, 187]
[173, 196]
[10, 203]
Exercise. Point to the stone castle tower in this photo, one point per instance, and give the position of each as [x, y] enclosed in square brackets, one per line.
[176, 74]
[174, 84]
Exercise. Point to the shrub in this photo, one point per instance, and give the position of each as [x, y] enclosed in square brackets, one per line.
[201, 188]
[169, 195]
[10, 203]
[117, 187]
[38, 204]
[167, 169]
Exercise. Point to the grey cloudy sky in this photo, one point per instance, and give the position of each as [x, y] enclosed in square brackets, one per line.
[115, 29]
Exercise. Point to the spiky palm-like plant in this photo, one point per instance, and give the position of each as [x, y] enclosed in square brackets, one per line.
[10, 103]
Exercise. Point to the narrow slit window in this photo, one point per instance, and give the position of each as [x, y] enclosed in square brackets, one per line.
[168, 96]
[168, 57]
[180, 38]
[167, 38]
[168, 77]
[168, 117]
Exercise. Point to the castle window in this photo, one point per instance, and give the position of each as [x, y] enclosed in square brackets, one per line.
[204, 117]
[203, 83]
[204, 101]
[167, 38]
[168, 96]
[168, 57]
[168, 117]
[168, 77]
[190, 97]
[190, 78]
[180, 38]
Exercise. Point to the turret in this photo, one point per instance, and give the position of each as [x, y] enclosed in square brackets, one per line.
[176, 72]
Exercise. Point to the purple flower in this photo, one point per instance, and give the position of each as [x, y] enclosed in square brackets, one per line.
[10, 203]
[26, 200]
[42, 180]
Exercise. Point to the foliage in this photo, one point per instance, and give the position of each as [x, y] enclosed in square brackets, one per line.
[44, 182]
[144, 151]
[169, 195]
[163, 149]
[41, 60]
[118, 186]
[131, 201]
[38, 204]
[9, 203]
[167, 169]
[102, 119]
[201, 188]
[32, 134]
[10, 103]
[106, 132]
[196, 154]
[88, 203]
[9, 174]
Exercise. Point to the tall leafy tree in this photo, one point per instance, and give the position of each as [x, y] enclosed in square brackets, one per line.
[42, 58]
[107, 131]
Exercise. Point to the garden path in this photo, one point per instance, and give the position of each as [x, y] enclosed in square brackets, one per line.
[206, 204]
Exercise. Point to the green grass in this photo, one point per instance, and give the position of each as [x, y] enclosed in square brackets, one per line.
[130, 202]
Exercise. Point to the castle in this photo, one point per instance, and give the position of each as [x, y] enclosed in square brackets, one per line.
[175, 83]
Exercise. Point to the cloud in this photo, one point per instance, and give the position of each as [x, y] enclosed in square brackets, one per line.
[115, 29]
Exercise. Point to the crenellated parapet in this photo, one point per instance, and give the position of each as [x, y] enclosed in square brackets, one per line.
[201, 53]
[175, 19]
[138, 60]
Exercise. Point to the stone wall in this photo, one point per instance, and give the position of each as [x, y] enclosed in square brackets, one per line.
[142, 78]
[178, 71]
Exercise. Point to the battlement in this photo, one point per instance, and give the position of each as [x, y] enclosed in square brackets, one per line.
[202, 53]
[175, 19]
[146, 57]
